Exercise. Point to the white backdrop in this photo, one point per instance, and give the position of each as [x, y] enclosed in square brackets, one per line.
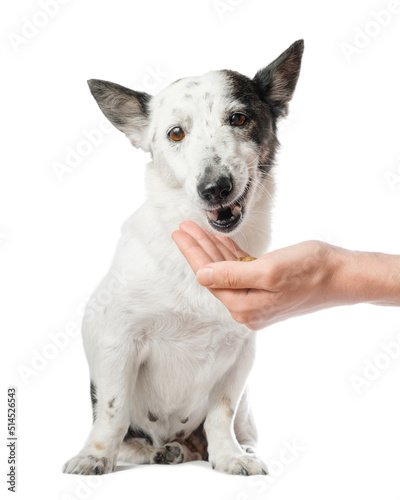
[68, 183]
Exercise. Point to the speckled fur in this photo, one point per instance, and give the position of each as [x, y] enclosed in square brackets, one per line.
[168, 364]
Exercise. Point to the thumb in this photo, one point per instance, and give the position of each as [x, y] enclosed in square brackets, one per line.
[230, 274]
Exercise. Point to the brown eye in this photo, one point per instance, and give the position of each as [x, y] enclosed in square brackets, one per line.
[176, 134]
[237, 119]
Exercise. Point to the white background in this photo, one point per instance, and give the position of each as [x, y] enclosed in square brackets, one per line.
[57, 238]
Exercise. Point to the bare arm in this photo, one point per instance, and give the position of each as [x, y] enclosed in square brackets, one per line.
[288, 282]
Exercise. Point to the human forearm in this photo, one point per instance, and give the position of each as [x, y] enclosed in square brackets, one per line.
[290, 281]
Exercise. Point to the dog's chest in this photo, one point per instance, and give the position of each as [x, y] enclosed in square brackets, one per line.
[190, 339]
[174, 384]
[187, 353]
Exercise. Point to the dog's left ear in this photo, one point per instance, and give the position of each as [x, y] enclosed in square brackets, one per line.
[278, 80]
[126, 109]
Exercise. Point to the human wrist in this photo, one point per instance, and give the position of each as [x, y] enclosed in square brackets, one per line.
[365, 277]
[383, 279]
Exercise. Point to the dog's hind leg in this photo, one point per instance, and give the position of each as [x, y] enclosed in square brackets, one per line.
[174, 453]
[139, 451]
[135, 451]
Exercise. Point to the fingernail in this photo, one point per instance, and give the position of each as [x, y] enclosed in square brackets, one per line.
[205, 276]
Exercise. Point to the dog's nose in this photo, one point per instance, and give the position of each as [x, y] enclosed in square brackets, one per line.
[215, 191]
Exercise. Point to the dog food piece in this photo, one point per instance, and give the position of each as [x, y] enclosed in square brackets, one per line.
[249, 258]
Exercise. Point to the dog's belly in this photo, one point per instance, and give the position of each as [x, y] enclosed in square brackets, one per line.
[171, 396]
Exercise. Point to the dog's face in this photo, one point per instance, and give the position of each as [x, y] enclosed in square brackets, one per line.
[213, 136]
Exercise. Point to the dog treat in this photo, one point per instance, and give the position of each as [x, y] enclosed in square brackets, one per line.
[249, 258]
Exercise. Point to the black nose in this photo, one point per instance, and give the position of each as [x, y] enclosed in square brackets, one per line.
[215, 191]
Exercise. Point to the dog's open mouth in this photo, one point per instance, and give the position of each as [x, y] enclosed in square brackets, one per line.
[226, 218]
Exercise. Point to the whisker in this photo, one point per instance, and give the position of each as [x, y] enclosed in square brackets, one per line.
[262, 189]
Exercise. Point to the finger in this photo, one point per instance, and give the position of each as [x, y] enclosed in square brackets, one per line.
[197, 258]
[234, 275]
[231, 246]
[207, 241]
[192, 251]
[227, 247]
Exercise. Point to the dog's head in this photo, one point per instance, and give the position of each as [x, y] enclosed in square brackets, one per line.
[213, 136]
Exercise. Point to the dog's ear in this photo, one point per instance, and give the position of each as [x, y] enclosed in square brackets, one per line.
[279, 79]
[126, 109]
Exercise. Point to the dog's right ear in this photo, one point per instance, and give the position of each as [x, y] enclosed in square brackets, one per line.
[126, 109]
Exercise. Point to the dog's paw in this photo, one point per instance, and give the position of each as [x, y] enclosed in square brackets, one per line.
[244, 465]
[88, 465]
[171, 453]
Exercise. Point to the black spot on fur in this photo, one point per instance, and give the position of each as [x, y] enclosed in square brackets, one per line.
[111, 403]
[93, 398]
[139, 434]
[208, 171]
[152, 417]
[180, 434]
[216, 159]
[265, 98]
[184, 421]
[261, 125]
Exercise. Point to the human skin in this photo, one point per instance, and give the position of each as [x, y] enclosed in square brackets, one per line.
[291, 281]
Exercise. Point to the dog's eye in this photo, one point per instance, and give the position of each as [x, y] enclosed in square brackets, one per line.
[176, 134]
[237, 119]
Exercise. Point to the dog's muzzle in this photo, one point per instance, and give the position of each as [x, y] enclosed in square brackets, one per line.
[224, 217]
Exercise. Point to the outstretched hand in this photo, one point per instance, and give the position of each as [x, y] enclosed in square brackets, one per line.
[280, 284]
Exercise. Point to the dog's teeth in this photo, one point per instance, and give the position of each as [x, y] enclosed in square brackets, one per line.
[236, 210]
[213, 215]
[233, 217]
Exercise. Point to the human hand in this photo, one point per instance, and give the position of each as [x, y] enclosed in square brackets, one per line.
[287, 282]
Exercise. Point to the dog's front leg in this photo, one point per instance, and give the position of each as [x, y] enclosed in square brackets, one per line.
[224, 452]
[114, 370]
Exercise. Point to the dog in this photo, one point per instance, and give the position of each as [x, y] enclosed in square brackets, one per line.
[168, 363]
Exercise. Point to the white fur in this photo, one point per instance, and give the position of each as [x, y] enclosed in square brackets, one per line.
[160, 342]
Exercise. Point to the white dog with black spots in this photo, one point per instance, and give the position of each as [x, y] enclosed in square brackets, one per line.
[168, 364]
